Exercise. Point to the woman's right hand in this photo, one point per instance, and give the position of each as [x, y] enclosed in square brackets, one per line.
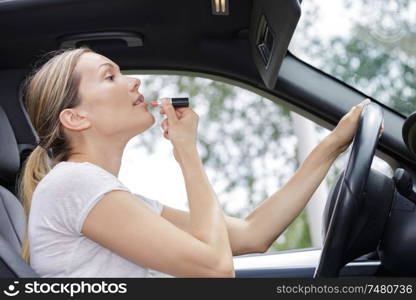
[180, 126]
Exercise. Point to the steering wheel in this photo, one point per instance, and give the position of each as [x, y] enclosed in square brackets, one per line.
[350, 196]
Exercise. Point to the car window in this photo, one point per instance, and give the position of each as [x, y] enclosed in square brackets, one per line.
[372, 46]
[249, 146]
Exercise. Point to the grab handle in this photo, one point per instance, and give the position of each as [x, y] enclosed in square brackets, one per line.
[132, 39]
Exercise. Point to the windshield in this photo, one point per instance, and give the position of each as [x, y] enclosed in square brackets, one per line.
[369, 44]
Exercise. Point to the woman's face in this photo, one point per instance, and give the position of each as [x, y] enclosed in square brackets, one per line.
[107, 98]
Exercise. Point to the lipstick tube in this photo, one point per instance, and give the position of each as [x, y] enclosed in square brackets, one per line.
[176, 102]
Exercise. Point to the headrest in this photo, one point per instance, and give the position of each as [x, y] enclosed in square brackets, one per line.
[9, 152]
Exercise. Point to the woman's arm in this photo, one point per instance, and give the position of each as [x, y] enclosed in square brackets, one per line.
[241, 241]
[206, 216]
[259, 229]
[256, 232]
[207, 221]
[276, 213]
[273, 216]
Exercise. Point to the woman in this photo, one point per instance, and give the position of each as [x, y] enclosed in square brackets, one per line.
[83, 222]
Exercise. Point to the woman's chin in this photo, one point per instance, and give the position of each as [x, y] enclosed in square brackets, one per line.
[148, 123]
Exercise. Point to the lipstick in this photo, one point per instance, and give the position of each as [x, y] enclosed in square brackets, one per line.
[176, 102]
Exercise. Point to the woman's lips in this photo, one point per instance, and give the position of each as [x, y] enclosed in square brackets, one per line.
[140, 99]
[142, 104]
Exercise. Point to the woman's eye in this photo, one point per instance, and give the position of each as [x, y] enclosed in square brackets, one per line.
[110, 77]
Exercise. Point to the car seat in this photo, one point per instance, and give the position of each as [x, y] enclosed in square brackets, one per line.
[12, 217]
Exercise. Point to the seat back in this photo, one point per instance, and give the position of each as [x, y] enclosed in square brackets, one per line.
[12, 217]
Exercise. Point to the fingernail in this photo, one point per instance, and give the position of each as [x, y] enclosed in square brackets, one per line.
[165, 101]
[366, 101]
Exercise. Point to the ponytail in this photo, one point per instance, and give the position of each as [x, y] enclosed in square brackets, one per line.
[36, 166]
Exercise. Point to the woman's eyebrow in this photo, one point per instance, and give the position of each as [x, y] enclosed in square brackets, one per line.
[108, 64]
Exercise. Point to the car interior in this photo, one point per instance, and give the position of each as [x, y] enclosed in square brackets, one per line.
[369, 218]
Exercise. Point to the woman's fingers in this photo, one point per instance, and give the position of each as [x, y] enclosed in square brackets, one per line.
[361, 104]
[172, 114]
[356, 110]
[365, 101]
[169, 110]
[164, 124]
[181, 109]
[178, 111]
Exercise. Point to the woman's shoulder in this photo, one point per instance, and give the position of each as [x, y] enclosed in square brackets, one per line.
[68, 192]
[75, 175]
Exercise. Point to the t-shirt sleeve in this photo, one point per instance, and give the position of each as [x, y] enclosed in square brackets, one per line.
[80, 188]
[154, 205]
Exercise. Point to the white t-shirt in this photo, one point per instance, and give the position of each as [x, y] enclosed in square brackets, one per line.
[60, 204]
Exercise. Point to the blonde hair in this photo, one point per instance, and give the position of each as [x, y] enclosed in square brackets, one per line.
[49, 89]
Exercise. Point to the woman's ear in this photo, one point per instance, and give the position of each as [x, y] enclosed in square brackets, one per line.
[72, 120]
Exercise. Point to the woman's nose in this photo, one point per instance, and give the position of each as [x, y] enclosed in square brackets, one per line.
[136, 84]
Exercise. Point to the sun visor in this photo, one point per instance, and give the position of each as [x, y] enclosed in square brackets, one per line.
[271, 29]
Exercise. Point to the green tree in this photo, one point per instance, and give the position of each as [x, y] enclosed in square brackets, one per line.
[377, 55]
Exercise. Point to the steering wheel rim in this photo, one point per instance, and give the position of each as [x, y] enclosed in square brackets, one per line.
[351, 191]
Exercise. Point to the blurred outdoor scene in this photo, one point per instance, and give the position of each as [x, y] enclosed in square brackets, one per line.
[250, 145]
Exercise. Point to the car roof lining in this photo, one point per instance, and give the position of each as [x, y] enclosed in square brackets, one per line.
[201, 43]
[170, 33]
